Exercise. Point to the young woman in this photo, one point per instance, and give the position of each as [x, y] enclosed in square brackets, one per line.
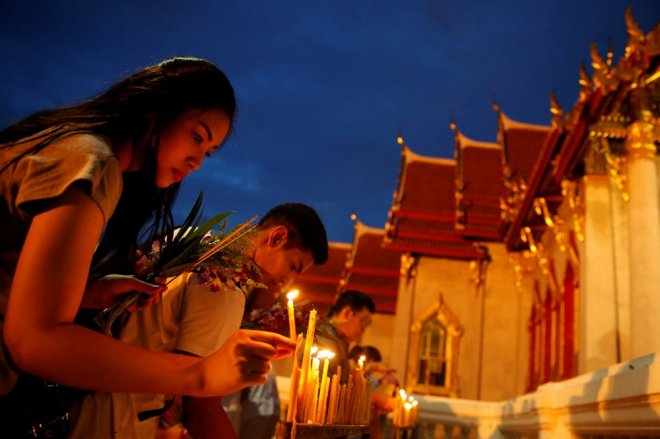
[104, 168]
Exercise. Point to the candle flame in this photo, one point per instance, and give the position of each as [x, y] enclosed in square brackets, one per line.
[325, 354]
[408, 406]
[313, 350]
[362, 358]
[402, 394]
[292, 294]
[414, 403]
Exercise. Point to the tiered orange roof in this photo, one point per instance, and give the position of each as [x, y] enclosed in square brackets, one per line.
[423, 214]
[373, 269]
[521, 144]
[479, 188]
[320, 284]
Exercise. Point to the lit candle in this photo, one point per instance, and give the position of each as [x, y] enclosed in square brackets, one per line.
[292, 318]
[325, 381]
[400, 400]
[406, 414]
[413, 413]
[361, 361]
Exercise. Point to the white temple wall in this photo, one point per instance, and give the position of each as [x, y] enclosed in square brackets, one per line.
[493, 349]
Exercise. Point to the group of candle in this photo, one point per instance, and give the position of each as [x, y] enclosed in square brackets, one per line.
[315, 397]
[405, 410]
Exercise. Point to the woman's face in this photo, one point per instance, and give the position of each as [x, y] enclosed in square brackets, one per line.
[187, 141]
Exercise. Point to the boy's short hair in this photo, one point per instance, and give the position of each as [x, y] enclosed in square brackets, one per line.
[356, 300]
[304, 225]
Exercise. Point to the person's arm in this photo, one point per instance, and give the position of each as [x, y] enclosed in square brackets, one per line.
[43, 340]
[206, 418]
[107, 291]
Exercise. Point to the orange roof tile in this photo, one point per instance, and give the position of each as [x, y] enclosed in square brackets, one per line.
[480, 188]
[373, 269]
[423, 214]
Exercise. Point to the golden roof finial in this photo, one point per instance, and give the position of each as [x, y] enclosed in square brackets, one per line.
[354, 217]
[634, 31]
[597, 61]
[610, 53]
[555, 110]
[452, 122]
[495, 105]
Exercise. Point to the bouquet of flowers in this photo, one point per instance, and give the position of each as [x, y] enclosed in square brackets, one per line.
[218, 256]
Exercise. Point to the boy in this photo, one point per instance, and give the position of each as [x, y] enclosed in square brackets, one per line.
[195, 319]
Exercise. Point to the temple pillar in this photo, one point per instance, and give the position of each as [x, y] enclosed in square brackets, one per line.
[598, 295]
[644, 237]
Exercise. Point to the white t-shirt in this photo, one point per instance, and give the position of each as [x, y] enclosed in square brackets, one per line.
[190, 318]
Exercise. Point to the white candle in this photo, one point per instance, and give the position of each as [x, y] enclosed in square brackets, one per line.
[292, 318]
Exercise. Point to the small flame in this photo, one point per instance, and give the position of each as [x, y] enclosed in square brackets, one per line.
[408, 406]
[402, 394]
[313, 350]
[292, 294]
[325, 354]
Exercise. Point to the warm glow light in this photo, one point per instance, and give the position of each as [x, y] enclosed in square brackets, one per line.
[292, 294]
[399, 140]
[414, 403]
[408, 406]
[325, 354]
[402, 394]
[362, 358]
[314, 350]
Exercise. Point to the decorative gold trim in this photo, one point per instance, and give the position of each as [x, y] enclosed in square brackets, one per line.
[556, 225]
[569, 189]
[443, 314]
[556, 111]
[542, 260]
[641, 137]
[616, 165]
[408, 266]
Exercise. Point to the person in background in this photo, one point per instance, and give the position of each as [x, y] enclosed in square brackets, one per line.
[345, 323]
[103, 170]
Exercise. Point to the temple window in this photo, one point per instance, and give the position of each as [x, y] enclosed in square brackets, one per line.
[435, 339]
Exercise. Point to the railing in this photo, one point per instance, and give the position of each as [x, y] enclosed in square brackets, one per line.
[618, 402]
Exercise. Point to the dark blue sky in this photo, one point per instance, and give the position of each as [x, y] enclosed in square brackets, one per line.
[324, 87]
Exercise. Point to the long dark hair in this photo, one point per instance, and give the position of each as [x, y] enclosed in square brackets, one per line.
[135, 109]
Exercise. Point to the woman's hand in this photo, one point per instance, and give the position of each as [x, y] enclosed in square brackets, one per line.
[108, 290]
[243, 361]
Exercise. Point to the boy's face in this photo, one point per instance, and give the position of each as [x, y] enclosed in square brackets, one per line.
[280, 263]
[353, 324]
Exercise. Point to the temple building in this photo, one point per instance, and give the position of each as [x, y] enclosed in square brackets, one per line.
[517, 283]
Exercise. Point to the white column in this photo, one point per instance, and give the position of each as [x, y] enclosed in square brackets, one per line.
[644, 238]
[597, 295]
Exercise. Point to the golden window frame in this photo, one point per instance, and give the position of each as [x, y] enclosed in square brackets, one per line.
[442, 315]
